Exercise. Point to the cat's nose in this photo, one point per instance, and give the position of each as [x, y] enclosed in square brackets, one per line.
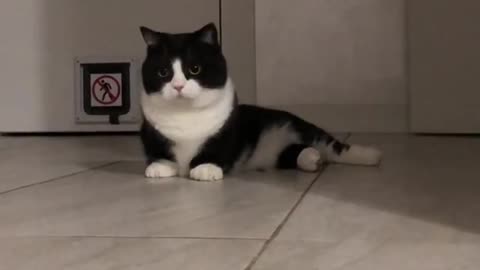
[178, 87]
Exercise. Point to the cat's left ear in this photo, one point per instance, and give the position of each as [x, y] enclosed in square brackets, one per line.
[208, 34]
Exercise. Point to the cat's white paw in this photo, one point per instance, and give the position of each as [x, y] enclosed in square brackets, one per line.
[309, 159]
[161, 168]
[206, 172]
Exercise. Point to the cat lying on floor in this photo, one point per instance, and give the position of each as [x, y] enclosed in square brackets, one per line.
[194, 127]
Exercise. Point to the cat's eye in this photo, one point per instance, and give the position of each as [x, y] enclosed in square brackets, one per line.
[195, 70]
[163, 73]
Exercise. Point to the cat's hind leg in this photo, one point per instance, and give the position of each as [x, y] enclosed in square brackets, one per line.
[332, 149]
[300, 156]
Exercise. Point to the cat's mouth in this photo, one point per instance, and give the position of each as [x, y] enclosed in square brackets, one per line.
[182, 97]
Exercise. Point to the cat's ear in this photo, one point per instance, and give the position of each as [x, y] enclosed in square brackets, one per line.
[208, 34]
[150, 37]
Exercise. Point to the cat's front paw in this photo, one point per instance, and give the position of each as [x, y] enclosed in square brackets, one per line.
[206, 172]
[161, 168]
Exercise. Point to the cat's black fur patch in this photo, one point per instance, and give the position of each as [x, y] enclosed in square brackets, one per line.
[155, 145]
[244, 128]
[241, 133]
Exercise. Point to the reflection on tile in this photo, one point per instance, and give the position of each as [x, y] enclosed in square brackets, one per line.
[117, 200]
[45, 158]
[418, 210]
[364, 254]
[105, 253]
[438, 151]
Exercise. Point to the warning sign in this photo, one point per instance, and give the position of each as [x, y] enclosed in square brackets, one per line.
[106, 90]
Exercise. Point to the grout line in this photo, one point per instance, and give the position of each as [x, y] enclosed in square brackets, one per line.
[142, 237]
[276, 232]
[283, 222]
[58, 178]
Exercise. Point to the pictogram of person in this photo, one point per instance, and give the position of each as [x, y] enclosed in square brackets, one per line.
[107, 88]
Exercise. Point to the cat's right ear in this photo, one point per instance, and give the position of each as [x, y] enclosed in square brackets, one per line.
[150, 37]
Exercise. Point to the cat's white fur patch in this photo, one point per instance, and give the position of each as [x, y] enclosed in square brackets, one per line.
[206, 172]
[309, 159]
[270, 144]
[357, 155]
[191, 88]
[178, 75]
[161, 168]
[188, 122]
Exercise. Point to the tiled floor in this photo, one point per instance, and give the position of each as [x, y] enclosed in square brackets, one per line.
[82, 203]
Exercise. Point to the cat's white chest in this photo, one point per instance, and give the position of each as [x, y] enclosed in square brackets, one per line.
[187, 132]
[184, 151]
[187, 136]
[187, 128]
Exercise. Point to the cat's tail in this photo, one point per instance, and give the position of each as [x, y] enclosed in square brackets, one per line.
[338, 152]
[356, 155]
[332, 149]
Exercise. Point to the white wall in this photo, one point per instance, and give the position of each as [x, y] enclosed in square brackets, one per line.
[41, 38]
[340, 64]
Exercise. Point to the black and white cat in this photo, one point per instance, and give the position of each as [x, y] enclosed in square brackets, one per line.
[194, 127]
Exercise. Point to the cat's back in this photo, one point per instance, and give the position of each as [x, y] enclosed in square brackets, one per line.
[255, 115]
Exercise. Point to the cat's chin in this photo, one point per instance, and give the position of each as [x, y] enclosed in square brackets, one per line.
[188, 103]
[204, 100]
[180, 102]
[181, 99]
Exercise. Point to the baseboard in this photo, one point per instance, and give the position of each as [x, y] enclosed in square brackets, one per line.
[354, 118]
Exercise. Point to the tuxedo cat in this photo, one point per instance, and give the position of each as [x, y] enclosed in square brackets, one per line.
[194, 127]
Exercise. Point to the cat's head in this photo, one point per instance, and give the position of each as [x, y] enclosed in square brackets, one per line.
[184, 68]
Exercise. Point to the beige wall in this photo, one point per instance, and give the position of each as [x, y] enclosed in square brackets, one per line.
[338, 63]
[238, 27]
[341, 64]
[41, 38]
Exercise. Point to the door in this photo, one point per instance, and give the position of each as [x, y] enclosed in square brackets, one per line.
[444, 66]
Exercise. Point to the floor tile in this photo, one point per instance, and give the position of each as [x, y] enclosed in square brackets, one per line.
[118, 201]
[418, 210]
[10, 141]
[44, 158]
[361, 254]
[109, 253]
